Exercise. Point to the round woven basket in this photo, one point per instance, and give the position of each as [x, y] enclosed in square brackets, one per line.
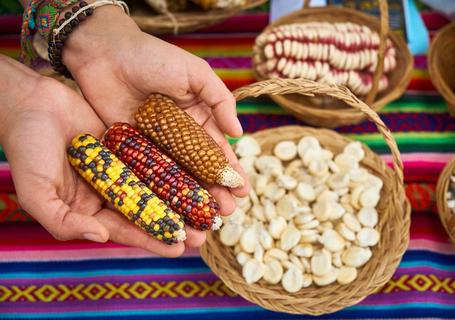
[441, 64]
[447, 217]
[393, 209]
[330, 113]
[187, 21]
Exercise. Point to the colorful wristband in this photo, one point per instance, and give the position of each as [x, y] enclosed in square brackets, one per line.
[39, 16]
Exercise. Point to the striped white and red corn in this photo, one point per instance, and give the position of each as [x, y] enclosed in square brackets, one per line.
[334, 53]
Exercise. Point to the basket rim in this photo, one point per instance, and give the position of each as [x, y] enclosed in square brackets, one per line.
[304, 109]
[441, 197]
[373, 283]
[438, 81]
[189, 21]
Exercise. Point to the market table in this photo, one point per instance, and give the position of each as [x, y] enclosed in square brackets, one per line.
[43, 278]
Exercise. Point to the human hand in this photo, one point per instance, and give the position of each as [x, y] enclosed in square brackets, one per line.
[39, 117]
[117, 67]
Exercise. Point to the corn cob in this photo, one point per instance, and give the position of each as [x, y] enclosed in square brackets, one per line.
[175, 132]
[117, 184]
[164, 177]
[218, 4]
[333, 53]
[176, 5]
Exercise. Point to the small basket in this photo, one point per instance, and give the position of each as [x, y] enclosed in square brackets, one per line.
[328, 112]
[447, 217]
[393, 208]
[151, 22]
[441, 64]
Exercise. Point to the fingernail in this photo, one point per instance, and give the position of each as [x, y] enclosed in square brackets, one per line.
[92, 237]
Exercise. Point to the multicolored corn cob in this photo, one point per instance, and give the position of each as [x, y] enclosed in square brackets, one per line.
[333, 53]
[164, 177]
[117, 184]
[175, 132]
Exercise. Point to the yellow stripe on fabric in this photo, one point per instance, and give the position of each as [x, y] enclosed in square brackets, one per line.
[179, 289]
[234, 74]
[219, 52]
[109, 290]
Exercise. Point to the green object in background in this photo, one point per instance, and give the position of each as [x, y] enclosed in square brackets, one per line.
[8, 7]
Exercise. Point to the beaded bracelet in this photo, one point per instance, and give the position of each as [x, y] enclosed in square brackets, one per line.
[66, 25]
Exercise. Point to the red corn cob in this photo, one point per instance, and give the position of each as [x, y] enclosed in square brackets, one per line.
[164, 177]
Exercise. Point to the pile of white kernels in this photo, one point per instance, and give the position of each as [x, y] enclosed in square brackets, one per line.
[310, 216]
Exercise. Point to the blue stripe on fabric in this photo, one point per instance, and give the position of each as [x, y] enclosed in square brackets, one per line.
[408, 310]
[191, 264]
[102, 272]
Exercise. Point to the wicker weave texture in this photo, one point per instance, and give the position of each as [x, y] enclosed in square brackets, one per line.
[184, 22]
[446, 216]
[441, 64]
[330, 113]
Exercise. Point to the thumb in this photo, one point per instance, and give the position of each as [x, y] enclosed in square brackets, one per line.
[65, 224]
[75, 225]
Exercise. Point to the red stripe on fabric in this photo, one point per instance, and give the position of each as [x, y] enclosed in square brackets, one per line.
[10, 42]
[195, 40]
[10, 24]
[31, 236]
[421, 84]
[234, 84]
[434, 20]
[254, 22]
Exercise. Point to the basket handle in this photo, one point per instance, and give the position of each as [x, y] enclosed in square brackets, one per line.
[311, 88]
[383, 31]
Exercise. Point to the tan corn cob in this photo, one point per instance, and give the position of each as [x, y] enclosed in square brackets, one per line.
[175, 132]
[117, 184]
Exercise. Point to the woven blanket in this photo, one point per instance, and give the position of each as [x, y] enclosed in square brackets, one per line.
[41, 278]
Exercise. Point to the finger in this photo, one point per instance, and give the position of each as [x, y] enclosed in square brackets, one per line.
[212, 128]
[64, 224]
[194, 238]
[209, 87]
[124, 232]
[224, 199]
[245, 189]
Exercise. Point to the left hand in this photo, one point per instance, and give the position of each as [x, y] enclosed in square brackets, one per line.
[117, 67]
[39, 117]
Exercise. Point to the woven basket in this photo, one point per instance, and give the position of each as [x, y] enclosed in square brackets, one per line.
[151, 22]
[330, 113]
[447, 218]
[393, 209]
[441, 64]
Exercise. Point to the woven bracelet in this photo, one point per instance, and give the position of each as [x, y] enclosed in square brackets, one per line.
[66, 25]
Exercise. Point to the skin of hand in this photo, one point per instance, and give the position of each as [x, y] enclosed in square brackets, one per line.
[39, 117]
[117, 66]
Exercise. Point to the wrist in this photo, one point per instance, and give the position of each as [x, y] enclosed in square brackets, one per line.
[97, 37]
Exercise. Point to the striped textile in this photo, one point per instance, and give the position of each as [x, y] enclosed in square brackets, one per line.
[41, 278]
